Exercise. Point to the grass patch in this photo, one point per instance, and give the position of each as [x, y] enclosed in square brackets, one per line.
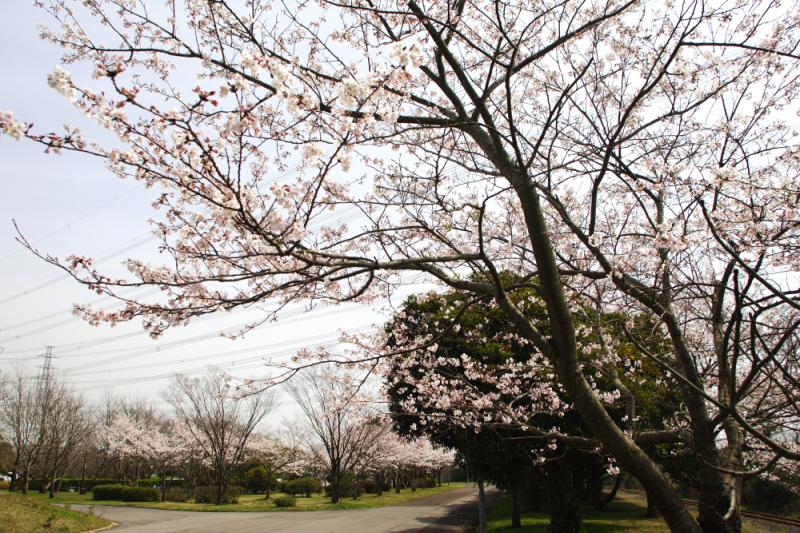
[256, 502]
[20, 514]
[623, 514]
[626, 513]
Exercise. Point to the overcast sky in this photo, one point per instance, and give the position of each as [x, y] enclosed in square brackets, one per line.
[71, 204]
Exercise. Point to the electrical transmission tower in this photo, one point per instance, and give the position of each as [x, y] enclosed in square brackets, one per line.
[47, 366]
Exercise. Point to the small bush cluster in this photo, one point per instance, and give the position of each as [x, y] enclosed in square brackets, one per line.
[140, 494]
[257, 479]
[370, 486]
[107, 492]
[303, 486]
[427, 482]
[209, 494]
[3, 485]
[285, 501]
[176, 495]
[125, 494]
[768, 496]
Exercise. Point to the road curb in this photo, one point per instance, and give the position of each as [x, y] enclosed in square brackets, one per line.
[112, 525]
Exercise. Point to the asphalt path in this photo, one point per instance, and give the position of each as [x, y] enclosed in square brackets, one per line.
[447, 512]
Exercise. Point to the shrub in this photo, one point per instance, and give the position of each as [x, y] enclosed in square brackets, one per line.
[3, 485]
[256, 479]
[107, 492]
[303, 485]
[368, 486]
[426, 482]
[767, 496]
[209, 494]
[176, 495]
[285, 501]
[140, 494]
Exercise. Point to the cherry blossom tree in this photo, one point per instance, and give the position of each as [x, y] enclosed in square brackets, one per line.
[216, 421]
[633, 154]
[152, 441]
[344, 431]
[275, 454]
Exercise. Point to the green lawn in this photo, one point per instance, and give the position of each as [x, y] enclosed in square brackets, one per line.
[624, 514]
[256, 502]
[19, 514]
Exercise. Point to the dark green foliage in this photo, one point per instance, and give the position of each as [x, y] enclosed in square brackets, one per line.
[427, 482]
[303, 486]
[74, 483]
[485, 334]
[284, 501]
[107, 492]
[140, 494]
[208, 494]
[370, 486]
[346, 486]
[177, 495]
[255, 479]
[767, 496]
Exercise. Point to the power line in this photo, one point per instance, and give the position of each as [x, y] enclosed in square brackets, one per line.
[78, 219]
[57, 279]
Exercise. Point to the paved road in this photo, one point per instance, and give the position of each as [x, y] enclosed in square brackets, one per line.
[441, 513]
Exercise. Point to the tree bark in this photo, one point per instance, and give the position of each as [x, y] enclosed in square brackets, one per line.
[516, 515]
[562, 352]
[269, 484]
[652, 511]
[564, 504]
[481, 507]
[82, 488]
[335, 480]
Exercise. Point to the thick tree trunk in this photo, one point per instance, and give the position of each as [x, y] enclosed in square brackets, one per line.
[516, 515]
[52, 487]
[564, 504]
[335, 480]
[481, 507]
[718, 512]
[163, 482]
[562, 352]
[652, 510]
[269, 484]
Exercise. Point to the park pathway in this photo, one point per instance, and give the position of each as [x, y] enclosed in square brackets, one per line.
[447, 512]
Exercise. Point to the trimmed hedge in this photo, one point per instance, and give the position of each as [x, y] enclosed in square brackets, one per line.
[177, 495]
[125, 494]
[140, 494]
[209, 494]
[284, 501]
[107, 492]
[74, 483]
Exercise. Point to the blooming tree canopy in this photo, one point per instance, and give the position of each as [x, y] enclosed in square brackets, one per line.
[635, 154]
